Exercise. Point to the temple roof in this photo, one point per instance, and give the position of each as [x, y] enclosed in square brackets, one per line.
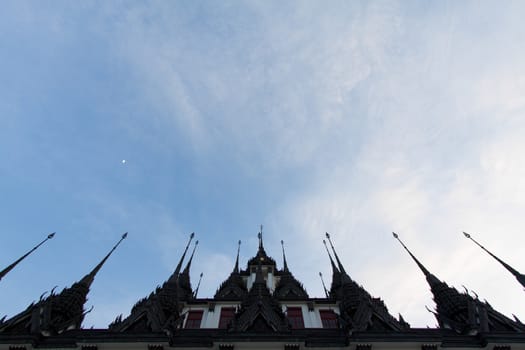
[460, 311]
[57, 312]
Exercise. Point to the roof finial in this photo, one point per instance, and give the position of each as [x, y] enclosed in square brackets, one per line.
[179, 265]
[88, 279]
[335, 254]
[520, 277]
[285, 265]
[198, 285]
[260, 238]
[236, 268]
[12, 266]
[324, 286]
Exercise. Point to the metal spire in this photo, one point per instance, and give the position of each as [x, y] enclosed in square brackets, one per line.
[324, 286]
[175, 274]
[335, 254]
[520, 277]
[88, 279]
[198, 285]
[285, 265]
[260, 238]
[430, 277]
[236, 267]
[12, 266]
[334, 268]
[187, 268]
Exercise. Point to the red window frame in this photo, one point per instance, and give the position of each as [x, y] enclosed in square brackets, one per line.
[328, 319]
[194, 319]
[227, 314]
[295, 317]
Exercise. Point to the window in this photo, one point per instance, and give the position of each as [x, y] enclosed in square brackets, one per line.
[295, 316]
[194, 319]
[227, 314]
[328, 318]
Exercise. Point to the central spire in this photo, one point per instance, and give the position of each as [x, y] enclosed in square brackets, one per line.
[261, 256]
[260, 238]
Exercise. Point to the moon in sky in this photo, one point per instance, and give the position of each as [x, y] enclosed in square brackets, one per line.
[123, 161]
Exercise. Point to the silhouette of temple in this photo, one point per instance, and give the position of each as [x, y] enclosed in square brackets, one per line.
[262, 306]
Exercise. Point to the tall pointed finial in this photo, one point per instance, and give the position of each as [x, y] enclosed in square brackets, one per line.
[198, 285]
[260, 238]
[236, 267]
[179, 265]
[188, 265]
[423, 268]
[88, 279]
[12, 266]
[520, 277]
[285, 265]
[335, 254]
[324, 286]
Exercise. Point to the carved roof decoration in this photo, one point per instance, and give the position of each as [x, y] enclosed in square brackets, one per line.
[233, 288]
[160, 311]
[289, 288]
[260, 312]
[359, 310]
[519, 276]
[460, 311]
[57, 312]
[5, 271]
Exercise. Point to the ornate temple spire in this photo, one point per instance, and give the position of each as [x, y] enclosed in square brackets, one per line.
[285, 265]
[288, 287]
[520, 277]
[341, 268]
[12, 266]
[460, 311]
[359, 310]
[58, 312]
[261, 255]
[175, 275]
[88, 279]
[233, 288]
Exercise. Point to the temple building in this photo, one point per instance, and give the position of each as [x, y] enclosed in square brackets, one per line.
[260, 306]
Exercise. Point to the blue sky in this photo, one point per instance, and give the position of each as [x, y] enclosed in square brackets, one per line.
[357, 118]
